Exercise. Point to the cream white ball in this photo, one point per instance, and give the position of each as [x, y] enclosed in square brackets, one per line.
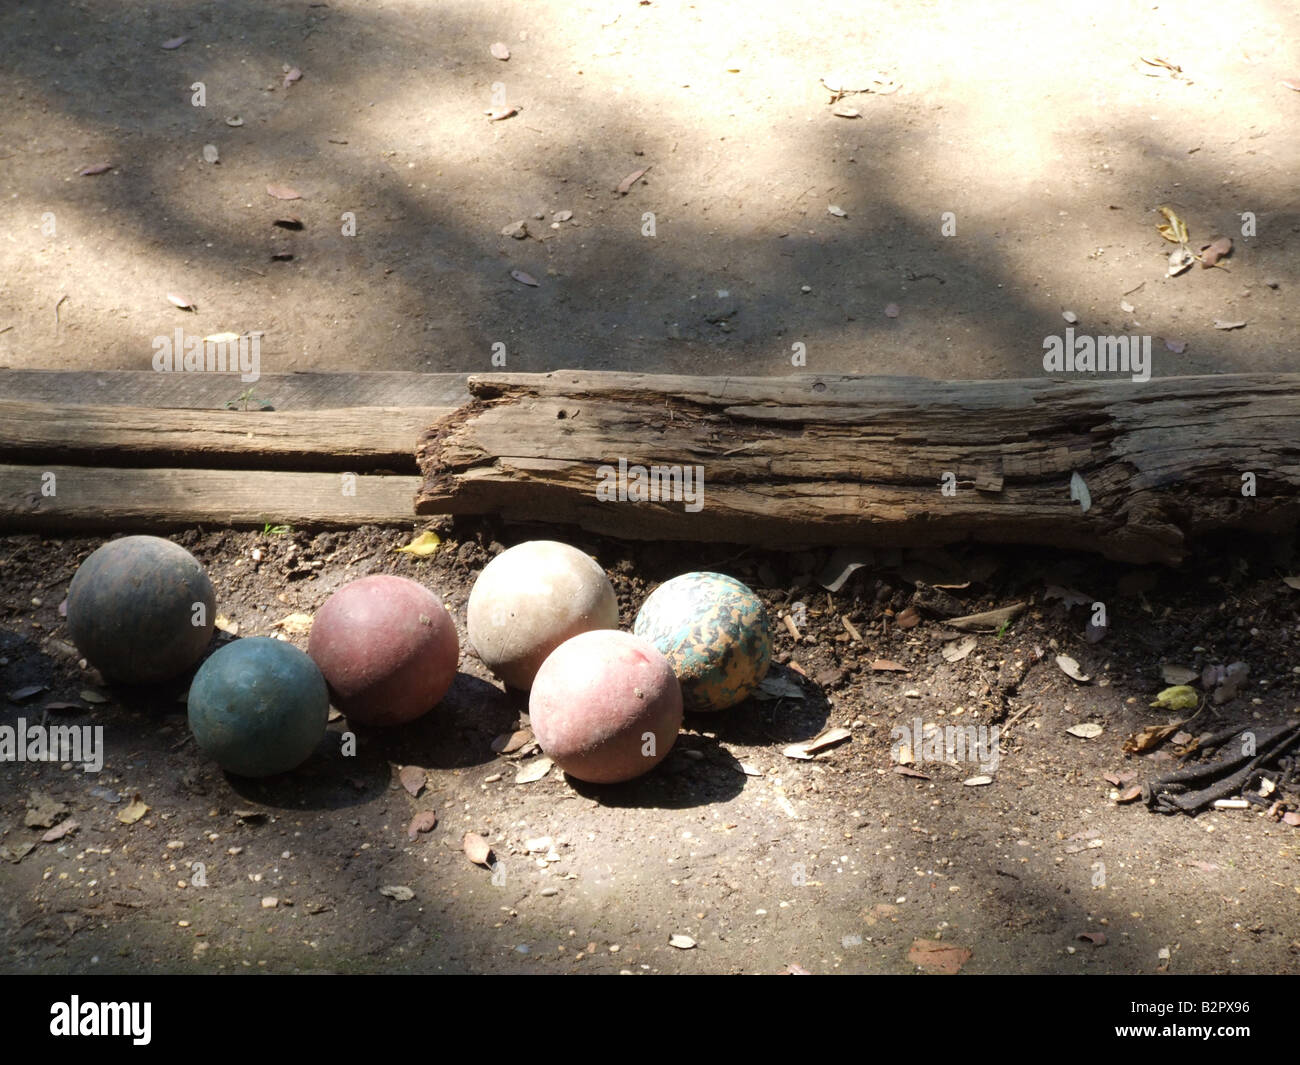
[529, 600]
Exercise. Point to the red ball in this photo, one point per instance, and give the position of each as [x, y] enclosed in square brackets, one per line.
[606, 706]
[387, 648]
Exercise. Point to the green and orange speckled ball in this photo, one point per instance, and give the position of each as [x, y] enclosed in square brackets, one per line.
[713, 630]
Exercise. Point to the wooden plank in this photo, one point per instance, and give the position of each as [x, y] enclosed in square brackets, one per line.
[212, 391]
[360, 438]
[95, 498]
[860, 460]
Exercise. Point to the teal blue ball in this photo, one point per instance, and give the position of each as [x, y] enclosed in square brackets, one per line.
[714, 632]
[258, 707]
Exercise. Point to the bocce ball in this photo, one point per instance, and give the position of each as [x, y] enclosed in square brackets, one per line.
[713, 630]
[141, 609]
[258, 707]
[605, 706]
[387, 648]
[529, 600]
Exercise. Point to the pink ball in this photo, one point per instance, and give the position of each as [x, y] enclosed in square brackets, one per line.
[606, 706]
[387, 647]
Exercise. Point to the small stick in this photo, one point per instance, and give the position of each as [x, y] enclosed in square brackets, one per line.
[851, 629]
[56, 310]
[789, 624]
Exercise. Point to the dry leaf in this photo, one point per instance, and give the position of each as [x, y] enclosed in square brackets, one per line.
[1152, 736]
[509, 742]
[959, 649]
[681, 942]
[398, 892]
[234, 120]
[838, 212]
[1220, 324]
[777, 687]
[181, 302]
[294, 75]
[477, 849]
[1119, 780]
[887, 665]
[42, 810]
[1175, 229]
[1292, 582]
[908, 771]
[844, 111]
[129, 815]
[908, 618]
[19, 694]
[1085, 730]
[499, 50]
[1292, 818]
[226, 625]
[59, 831]
[1179, 697]
[424, 821]
[500, 113]
[1129, 794]
[524, 279]
[423, 545]
[221, 338]
[1179, 261]
[625, 186]
[96, 168]
[174, 43]
[977, 782]
[1097, 939]
[942, 957]
[413, 779]
[561, 216]
[283, 192]
[891, 310]
[1215, 250]
[1291, 83]
[988, 620]
[1071, 669]
[808, 748]
[1176, 346]
[1069, 597]
[533, 771]
[1178, 675]
[295, 623]
[91, 696]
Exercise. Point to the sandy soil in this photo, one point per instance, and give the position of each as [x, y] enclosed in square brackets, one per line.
[1038, 127]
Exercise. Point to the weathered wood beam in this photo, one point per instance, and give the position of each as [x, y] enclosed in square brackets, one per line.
[356, 438]
[870, 460]
[95, 498]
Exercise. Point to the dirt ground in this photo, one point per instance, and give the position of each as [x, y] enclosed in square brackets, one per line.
[840, 863]
[1005, 170]
[1039, 127]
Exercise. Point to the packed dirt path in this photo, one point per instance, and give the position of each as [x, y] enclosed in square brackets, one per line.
[1006, 168]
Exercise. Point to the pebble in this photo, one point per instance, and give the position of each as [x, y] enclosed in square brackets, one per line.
[546, 893]
[270, 902]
